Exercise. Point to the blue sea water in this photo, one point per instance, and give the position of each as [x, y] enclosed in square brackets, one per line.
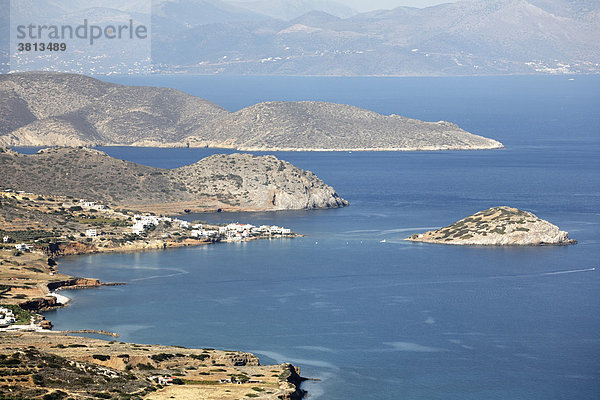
[393, 319]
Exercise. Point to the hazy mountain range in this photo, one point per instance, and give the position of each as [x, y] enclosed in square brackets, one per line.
[319, 37]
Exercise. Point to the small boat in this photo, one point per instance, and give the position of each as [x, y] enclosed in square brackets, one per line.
[382, 241]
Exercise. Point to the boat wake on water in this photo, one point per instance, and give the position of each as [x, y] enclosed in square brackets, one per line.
[572, 271]
[175, 273]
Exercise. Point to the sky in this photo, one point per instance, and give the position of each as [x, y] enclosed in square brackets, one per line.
[370, 5]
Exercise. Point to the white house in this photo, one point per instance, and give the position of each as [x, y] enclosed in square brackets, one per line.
[6, 317]
[197, 233]
[138, 228]
[92, 232]
[204, 233]
[22, 247]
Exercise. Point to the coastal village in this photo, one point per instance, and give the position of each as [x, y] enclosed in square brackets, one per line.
[37, 229]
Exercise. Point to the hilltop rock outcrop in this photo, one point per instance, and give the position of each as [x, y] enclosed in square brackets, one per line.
[227, 182]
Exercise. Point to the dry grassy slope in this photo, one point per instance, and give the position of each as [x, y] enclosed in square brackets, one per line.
[38, 363]
[42, 107]
[47, 109]
[88, 174]
[237, 181]
[498, 226]
[318, 125]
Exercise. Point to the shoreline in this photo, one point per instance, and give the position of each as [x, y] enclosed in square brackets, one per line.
[293, 378]
[292, 389]
[58, 226]
[289, 376]
[498, 146]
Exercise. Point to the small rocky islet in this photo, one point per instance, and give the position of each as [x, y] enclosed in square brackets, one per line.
[498, 226]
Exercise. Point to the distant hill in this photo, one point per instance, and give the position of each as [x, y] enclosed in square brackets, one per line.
[290, 9]
[464, 38]
[49, 109]
[73, 110]
[311, 125]
[228, 182]
[322, 37]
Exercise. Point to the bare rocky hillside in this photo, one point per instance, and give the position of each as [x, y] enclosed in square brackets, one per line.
[227, 182]
[49, 109]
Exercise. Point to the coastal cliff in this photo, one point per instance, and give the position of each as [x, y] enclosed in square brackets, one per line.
[241, 182]
[49, 109]
[498, 226]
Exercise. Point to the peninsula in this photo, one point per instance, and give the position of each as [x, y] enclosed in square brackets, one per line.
[48, 109]
[235, 182]
[51, 365]
[498, 226]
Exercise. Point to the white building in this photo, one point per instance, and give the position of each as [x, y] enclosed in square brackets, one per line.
[204, 233]
[138, 228]
[22, 247]
[92, 232]
[6, 317]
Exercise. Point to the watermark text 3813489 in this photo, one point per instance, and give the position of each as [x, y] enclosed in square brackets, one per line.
[114, 38]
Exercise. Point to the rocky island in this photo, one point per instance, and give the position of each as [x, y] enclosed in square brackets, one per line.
[49, 109]
[240, 182]
[498, 226]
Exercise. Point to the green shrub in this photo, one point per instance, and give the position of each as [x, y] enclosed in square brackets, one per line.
[161, 357]
[38, 379]
[58, 395]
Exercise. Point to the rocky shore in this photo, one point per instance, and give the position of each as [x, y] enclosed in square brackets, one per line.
[498, 226]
